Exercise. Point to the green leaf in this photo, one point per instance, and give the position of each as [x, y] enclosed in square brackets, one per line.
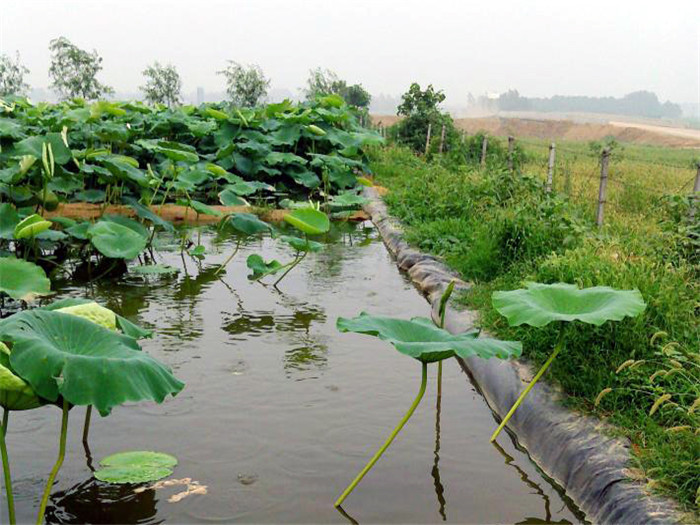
[135, 467]
[228, 197]
[93, 312]
[31, 226]
[8, 221]
[33, 146]
[146, 213]
[308, 220]
[92, 195]
[248, 223]
[302, 245]
[540, 304]
[153, 269]
[15, 394]
[261, 268]
[115, 240]
[421, 339]
[59, 354]
[200, 207]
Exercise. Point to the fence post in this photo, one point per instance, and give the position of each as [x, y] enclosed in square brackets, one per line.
[604, 158]
[427, 138]
[442, 138]
[511, 146]
[695, 197]
[550, 167]
[484, 145]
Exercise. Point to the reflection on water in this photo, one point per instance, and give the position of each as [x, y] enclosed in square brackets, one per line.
[95, 502]
[279, 407]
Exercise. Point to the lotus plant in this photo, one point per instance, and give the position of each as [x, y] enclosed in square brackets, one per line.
[420, 339]
[539, 304]
[74, 357]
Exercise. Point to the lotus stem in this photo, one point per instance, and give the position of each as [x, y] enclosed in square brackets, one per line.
[521, 397]
[57, 465]
[439, 383]
[296, 261]
[86, 425]
[235, 251]
[375, 458]
[6, 469]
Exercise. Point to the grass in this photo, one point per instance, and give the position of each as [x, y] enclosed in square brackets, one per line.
[500, 230]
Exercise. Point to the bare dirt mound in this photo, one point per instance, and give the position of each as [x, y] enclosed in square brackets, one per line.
[570, 130]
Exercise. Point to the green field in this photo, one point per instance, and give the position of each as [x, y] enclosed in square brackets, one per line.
[501, 230]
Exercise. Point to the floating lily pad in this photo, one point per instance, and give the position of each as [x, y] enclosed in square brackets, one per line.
[153, 269]
[248, 223]
[302, 245]
[261, 268]
[136, 467]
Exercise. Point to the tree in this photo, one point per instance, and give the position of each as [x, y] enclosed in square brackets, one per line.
[163, 85]
[73, 71]
[418, 102]
[12, 76]
[326, 82]
[246, 85]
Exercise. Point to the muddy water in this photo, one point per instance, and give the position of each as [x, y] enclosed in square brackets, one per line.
[280, 410]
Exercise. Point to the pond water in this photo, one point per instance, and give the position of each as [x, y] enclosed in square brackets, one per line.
[281, 411]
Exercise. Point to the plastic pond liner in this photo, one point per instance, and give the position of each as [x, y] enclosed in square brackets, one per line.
[281, 409]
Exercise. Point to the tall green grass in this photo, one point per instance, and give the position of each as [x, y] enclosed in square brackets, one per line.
[500, 230]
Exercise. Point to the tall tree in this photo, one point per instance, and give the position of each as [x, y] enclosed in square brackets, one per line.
[12, 76]
[163, 85]
[326, 82]
[246, 85]
[73, 71]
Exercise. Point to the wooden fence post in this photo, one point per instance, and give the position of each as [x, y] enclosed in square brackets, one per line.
[511, 147]
[696, 195]
[604, 159]
[484, 145]
[442, 138]
[550, 167]
[427, 138]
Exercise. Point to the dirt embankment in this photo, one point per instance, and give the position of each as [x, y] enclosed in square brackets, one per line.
[572, 131]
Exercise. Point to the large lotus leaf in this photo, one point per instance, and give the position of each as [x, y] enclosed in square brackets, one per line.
[115, 240]
[145, 213]
[248, 223]
[135, 467]
[64, 355]
[94, 312]
[34, 145]
[302, 245]
[31, 226]
[133, 225]
[540, 304]
[22, 280]
[15, 394]
[200, 207]
[126, 326]
[308, 220]
[421, 339]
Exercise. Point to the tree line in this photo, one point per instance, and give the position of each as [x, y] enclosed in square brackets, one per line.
[73, 72]
[638, 103]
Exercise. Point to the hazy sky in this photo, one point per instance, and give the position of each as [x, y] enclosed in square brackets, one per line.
[539, 47]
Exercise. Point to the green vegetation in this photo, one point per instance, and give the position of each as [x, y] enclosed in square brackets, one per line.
[500, 230]
[420, 339]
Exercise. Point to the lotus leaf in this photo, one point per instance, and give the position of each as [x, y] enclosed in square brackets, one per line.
[421, 339]
[302, 245]
[153, 269]
[135, 467]
[261, 268]
[115, 240]
[31, 226]
[59, 354]
[540, 304]
[94, 312]
[22, 280]
[15, 394]
[248, 223]
[229, 197]
[309, 221]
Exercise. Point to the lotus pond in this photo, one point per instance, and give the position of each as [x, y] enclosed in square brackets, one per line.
[280, 410]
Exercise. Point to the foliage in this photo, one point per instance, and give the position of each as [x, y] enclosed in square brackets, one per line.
[22, 280]
[163, 85]
[73, 71]
[246, 85]
[12, 76]
[500, 231]
[135, 467]
[325, 82]
[420, 102]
